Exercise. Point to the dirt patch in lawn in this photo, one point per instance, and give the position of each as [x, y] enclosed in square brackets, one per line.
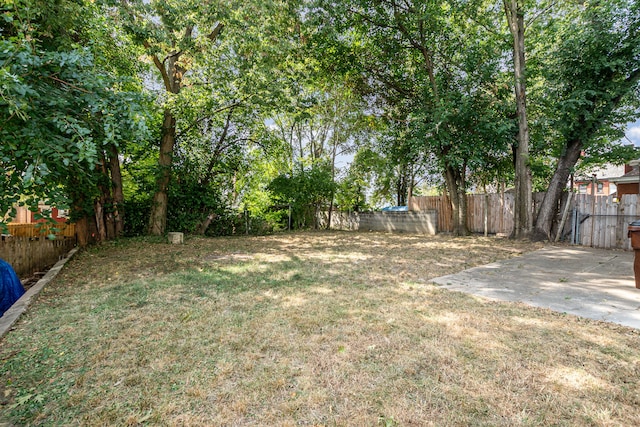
[306, 329]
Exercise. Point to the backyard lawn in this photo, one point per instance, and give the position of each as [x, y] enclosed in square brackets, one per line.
[306, 329]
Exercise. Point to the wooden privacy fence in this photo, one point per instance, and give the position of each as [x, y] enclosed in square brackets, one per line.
[41, 229]
[601, 221]
[493, 212]
[28, 255]
[595, 221]
[440, 204]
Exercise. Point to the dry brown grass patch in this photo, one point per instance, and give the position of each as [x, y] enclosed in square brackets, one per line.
[307, 329]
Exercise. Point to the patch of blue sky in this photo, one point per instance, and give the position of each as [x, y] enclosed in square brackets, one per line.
[632, 133]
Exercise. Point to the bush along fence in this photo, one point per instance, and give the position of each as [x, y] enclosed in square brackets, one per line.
[28, 255]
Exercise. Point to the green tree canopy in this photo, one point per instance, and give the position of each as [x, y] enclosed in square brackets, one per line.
[60, 111]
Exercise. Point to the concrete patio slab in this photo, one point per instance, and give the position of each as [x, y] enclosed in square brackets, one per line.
[592, 283]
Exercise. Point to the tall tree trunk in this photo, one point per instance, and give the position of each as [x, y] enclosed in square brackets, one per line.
[523, 215]
[158, 219]
[100, 204]
[455, 181]
[589, 123]
[402, 186]
[549, 206]
[98, 209]
[118, 195]
[333, 180]
[82, 232]
[79, 211]
[172, 73]
[412, 184]
[107, 198]
[202, 226]
[334, 154]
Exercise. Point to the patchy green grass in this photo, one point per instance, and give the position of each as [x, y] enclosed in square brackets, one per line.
[305, 329]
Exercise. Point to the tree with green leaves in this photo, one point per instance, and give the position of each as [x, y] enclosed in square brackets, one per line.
[64, 115]
[305, 192]
[324, 122]
[395, 160]
[592, 88]
[172, 34]
[429, 66]
[214, 58]
[523, 212]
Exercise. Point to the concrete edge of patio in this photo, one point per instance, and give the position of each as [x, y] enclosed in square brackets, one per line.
[12, 315]
[590, 283]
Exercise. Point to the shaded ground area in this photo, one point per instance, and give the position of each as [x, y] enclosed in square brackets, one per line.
[306, 329]
[592, 283]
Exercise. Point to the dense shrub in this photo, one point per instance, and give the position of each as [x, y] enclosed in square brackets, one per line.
[136, 217]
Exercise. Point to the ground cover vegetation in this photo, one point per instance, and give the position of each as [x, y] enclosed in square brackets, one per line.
[312, 328]
[226, 117]
[221, 117]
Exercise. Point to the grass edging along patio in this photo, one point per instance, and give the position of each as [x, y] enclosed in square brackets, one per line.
[11, 316]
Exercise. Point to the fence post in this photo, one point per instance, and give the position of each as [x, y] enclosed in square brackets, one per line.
[486, 214]
[573, 225]
[593, 209]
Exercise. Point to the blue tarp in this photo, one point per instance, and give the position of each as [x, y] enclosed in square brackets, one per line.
[10, 287]
[395, 209]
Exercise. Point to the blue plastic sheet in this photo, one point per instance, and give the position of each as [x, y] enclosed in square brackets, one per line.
[10, 287]
[395, 209]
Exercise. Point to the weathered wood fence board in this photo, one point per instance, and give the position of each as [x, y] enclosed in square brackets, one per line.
[497, 209]
[30, 254]
[439, 204]
[596, 221]
[42, 229]
[602, 221]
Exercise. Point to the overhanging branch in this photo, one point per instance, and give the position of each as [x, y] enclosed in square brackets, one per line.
[208, 116]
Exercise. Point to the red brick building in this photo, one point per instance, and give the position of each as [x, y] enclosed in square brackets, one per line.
[25, 216]
[602, 180]
[629, 182]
